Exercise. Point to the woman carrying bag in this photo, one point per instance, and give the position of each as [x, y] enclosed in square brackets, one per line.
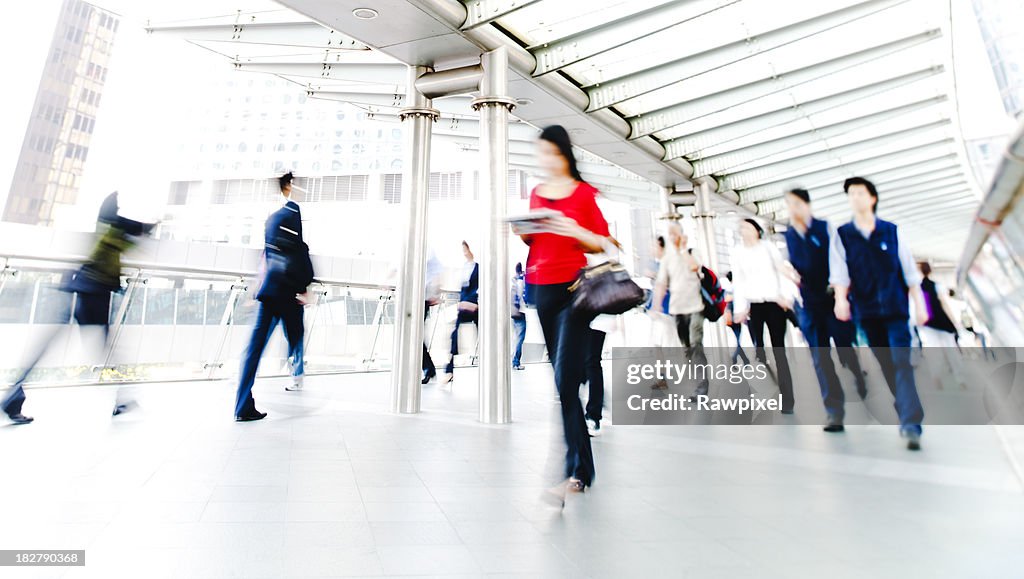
[556, 257]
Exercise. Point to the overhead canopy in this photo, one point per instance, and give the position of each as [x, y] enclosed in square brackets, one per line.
[746, 96]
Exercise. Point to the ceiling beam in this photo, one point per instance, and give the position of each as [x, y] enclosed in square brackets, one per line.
[688, 145]
[614, 91]
[304, 34]
[562, 52]
[480, 12]
[774, 171]
[822, 181]
[738, 157]
[679, 114]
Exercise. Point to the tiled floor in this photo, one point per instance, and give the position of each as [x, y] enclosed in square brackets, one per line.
[332, 485]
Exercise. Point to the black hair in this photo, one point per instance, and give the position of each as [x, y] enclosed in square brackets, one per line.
[285, 180]
[559, 137]
[661, 241]
[757, 226]
[728, 275]
[926, 268]
[800, 193]
[867, 185]
[519, 268]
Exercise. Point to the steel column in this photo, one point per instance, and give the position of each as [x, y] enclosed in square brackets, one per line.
[704, 215]
[406, 370]
[494, 106]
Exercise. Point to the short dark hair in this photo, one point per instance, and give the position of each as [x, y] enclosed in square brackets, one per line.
[519, 268]
[757, 226]
[867, 185]
[800, 193]
[661, 241]
[285, 180]
[926, 268]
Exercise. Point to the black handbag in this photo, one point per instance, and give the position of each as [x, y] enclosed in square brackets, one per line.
[606, 288]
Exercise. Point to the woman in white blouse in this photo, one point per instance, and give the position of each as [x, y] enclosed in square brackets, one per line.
[762, 294]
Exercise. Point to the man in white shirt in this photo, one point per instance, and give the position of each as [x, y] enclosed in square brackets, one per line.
[679, 273]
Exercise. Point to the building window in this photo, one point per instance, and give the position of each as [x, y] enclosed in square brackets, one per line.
[393, 188]
[447, 186]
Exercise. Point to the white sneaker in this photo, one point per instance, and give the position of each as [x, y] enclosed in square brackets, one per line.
[296, 384]
[593, 427]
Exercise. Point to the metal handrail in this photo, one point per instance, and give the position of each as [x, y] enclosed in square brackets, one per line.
[157, 267]
[1004, 193]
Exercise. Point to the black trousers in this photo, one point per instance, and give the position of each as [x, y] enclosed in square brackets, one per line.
[464, 317]
[428, 362]
[565, 335]
[595, 374]
[289, 313]
[90, 310]
[772, 315]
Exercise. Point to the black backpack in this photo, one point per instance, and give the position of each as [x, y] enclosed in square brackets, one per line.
[712, 295]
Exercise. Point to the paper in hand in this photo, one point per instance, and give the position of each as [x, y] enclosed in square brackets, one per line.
[532, 222]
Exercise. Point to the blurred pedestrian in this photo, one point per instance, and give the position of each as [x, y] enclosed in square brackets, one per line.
[288, 271]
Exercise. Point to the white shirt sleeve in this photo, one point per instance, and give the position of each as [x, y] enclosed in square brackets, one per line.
[911, 275]
[662, 276]
[740, 302]
[838, 272]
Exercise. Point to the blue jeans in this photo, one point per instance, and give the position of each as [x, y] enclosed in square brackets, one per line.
[289, 313]
[565, 334]
[520, 326]
[889, 339]
[815, 323]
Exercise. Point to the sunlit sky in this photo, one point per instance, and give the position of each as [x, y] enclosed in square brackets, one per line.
[152, 78]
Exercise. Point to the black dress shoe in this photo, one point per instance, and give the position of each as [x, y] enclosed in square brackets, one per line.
[20, 418]
[428, 378]
[251, 417]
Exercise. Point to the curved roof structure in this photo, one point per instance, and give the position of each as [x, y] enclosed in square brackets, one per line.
[735, 93]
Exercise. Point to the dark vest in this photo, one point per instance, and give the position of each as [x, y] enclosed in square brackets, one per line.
[937, 317]
[877, 286]
[809, 256]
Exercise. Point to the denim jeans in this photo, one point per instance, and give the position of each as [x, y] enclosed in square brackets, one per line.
[565, 335]
[520, 326]
[889, 339]
[814, 323]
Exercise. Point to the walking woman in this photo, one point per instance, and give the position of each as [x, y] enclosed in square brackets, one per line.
[763, 293]
[555, 259]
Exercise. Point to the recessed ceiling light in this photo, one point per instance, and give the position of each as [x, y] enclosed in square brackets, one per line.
[577, 132]
[365, 13]
[618, 154]
[523, 102]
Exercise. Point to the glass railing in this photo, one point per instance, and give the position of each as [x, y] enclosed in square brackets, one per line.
[991, 272]
[168, 325]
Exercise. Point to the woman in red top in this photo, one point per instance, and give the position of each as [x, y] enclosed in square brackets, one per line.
[553, 265]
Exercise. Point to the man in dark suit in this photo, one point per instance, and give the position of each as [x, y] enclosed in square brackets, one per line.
[288, 272]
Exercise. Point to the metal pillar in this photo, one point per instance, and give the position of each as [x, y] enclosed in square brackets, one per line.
[494, 106]
[406, 370]
[704, 215]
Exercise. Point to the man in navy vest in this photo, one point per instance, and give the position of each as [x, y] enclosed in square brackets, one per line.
[807, 240]
[873, 268]
[288, 272]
